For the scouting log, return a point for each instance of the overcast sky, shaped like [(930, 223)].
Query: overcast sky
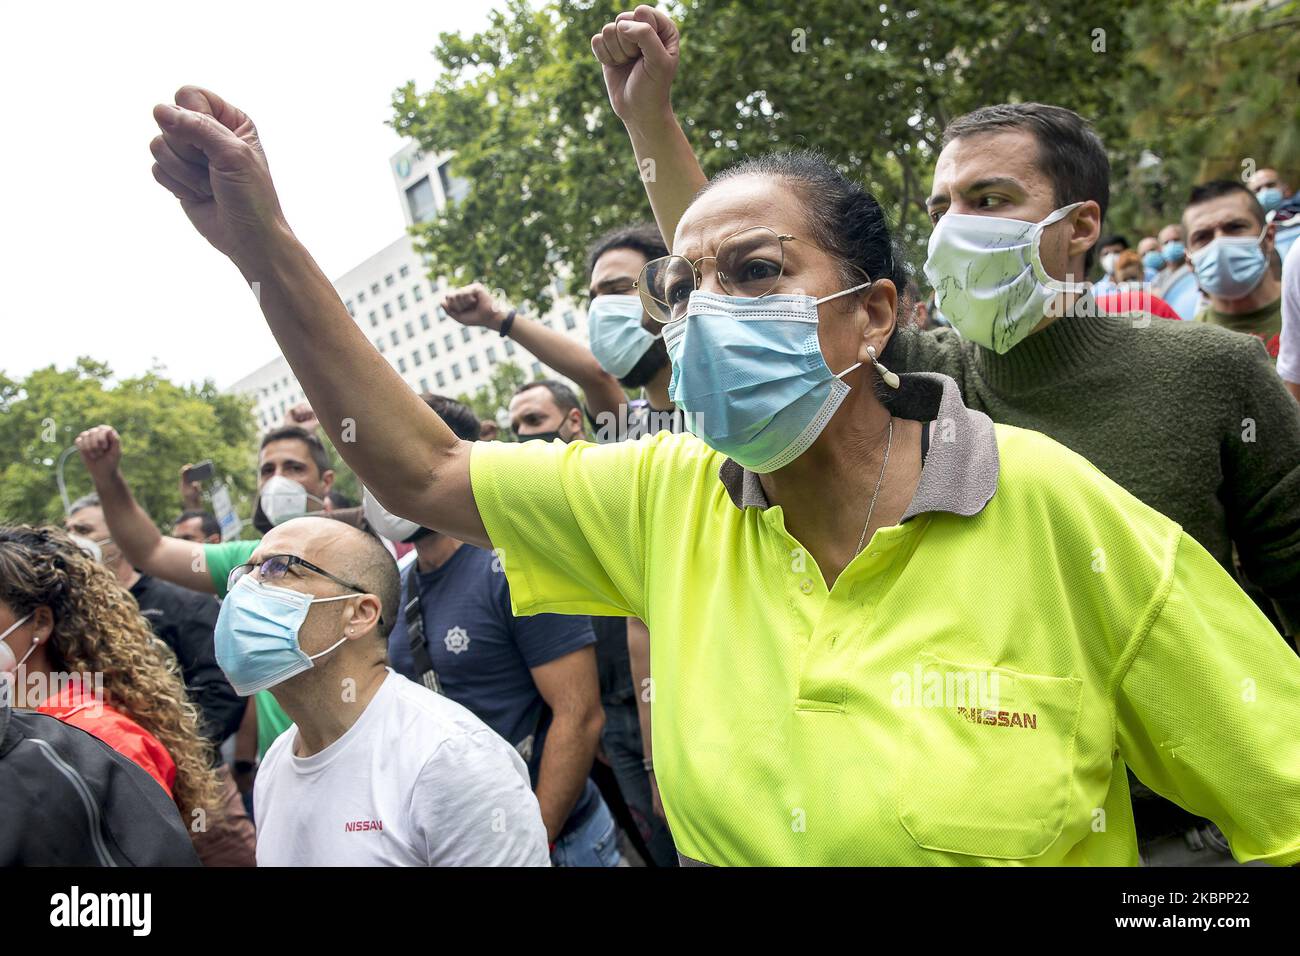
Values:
[(97, 258)]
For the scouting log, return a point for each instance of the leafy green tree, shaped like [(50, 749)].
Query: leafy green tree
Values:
[(1200, 85), (524, 109), (163, 425)]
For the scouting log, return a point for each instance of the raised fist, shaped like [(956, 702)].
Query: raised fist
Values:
[(473, 305), (101, 451), (638, 53), (209, 157), (301, 416)]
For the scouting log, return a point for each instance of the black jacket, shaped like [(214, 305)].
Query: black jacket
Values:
[(68, 799), (185, 620)]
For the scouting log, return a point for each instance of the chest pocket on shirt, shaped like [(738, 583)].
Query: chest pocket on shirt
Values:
[(989, 781)]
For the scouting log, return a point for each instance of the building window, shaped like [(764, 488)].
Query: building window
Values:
[(448, 341), (420, 201), (424, 384), (374, 319), (492, 355), (410, 330), (424, 321), (510, 347), (393, 335), (570, 322), (473, 363), (433, 350), (388, 279), (416, 291), (401, 365), (433, 285), (442, 380), (361, 296), (379, 344), (417, 358), (374, 288), (388, 310), (404, 271), (455, 371), (537, 368), (351, 311), (483, 330), (464, 333), (442, 314)]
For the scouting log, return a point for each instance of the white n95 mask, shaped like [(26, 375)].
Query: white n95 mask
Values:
[(988, 276)]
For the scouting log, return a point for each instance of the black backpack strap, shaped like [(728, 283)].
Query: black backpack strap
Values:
[(414, 616)]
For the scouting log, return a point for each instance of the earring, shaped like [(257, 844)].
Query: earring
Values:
[(889, 378)]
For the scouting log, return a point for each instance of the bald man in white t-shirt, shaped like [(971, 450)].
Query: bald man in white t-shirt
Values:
[(377, 770)]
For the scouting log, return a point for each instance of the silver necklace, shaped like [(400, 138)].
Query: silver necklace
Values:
[(889, 442)]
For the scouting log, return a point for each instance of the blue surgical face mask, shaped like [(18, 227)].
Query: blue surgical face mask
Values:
[(751, 377), (1153, 260), (257, 634), (1270, 197), (614, 329), (1231, 267), (1174, 251)]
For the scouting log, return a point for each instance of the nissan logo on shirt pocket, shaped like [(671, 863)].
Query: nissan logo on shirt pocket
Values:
[(975, 784)]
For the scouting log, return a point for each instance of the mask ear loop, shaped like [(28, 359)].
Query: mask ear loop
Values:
[(339, 643)]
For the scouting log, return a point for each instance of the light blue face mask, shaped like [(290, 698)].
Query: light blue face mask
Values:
[(750, 375), (1270, 197), (1231, 267), (1174, 251), (1153, 260), (257, 634), (614, 329)]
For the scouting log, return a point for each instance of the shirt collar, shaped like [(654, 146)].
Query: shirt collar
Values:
[(961, 468)]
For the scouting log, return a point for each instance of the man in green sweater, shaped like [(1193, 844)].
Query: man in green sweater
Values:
[(1230, 245), (1190, 418)]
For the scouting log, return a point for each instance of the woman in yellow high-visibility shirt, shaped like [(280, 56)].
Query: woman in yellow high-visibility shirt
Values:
[(885, 630)]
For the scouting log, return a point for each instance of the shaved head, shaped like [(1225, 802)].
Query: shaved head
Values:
[(346, 552)]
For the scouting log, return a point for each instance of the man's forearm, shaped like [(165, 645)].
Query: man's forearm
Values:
[(571, 743), (669, 170), (389, 437), (131, 529), (638, 652), (572, 360)]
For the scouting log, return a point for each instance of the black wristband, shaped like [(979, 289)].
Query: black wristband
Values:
[(508, 321)]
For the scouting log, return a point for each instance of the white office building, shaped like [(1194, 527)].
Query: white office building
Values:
[(393, 300)]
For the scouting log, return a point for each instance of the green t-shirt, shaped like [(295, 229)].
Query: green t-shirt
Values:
[(221, 559), (1265, 324)]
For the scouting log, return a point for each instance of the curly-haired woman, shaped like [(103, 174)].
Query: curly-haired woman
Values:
[(80, 650)]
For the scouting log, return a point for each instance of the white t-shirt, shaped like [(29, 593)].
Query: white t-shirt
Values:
[(1288, 357), (418, 780)]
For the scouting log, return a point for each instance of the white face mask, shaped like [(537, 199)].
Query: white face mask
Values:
[(8, 663), (1108, 263), (283, 499), (989, 279), (386, 524)]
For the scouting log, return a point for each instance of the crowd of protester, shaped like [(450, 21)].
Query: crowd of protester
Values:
[(705, 625)]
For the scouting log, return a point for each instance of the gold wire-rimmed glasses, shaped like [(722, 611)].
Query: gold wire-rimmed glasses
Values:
[(749, 264)]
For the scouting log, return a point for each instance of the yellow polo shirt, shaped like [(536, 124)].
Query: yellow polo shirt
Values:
[(971, 689)]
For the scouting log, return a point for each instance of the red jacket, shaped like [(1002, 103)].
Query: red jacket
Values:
[(1133, 303), (80, 707)]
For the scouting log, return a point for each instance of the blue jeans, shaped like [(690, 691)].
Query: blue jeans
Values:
[(593, 843), (621, 739)]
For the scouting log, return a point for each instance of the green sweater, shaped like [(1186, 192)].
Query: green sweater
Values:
[(1190, 418)]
